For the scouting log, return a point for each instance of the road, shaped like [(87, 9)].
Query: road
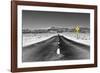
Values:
[(47, 50)]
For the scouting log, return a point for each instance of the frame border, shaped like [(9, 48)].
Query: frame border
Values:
[(46, 4)]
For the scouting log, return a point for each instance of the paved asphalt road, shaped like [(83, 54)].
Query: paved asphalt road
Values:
[(47, 50)]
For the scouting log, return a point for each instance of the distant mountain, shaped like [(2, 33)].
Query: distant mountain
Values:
[(56, 30)]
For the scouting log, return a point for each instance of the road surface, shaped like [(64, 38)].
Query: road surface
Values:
[(47, 50)]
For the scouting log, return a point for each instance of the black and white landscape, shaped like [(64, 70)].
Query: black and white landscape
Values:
[(51, 36)]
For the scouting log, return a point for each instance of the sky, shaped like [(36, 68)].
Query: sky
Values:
[(44, 19)]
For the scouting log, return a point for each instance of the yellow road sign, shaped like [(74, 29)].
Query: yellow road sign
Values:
[(77, 28)]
